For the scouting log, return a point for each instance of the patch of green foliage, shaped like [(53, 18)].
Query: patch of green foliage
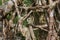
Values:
[(40, 34), (15, 19), (8, 16), (25, 23), (20, 35), (28, 2), (0, 2)]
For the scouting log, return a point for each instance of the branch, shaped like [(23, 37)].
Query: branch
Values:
[(41, 27), (32, 33), (25, 16), (7, 7), (17, 10)]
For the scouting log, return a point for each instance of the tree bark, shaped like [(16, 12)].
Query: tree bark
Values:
[(52, 35)]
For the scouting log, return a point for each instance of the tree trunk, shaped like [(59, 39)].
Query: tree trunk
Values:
[(52, 35)]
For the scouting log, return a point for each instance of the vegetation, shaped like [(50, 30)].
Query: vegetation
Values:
[(30, 19)]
